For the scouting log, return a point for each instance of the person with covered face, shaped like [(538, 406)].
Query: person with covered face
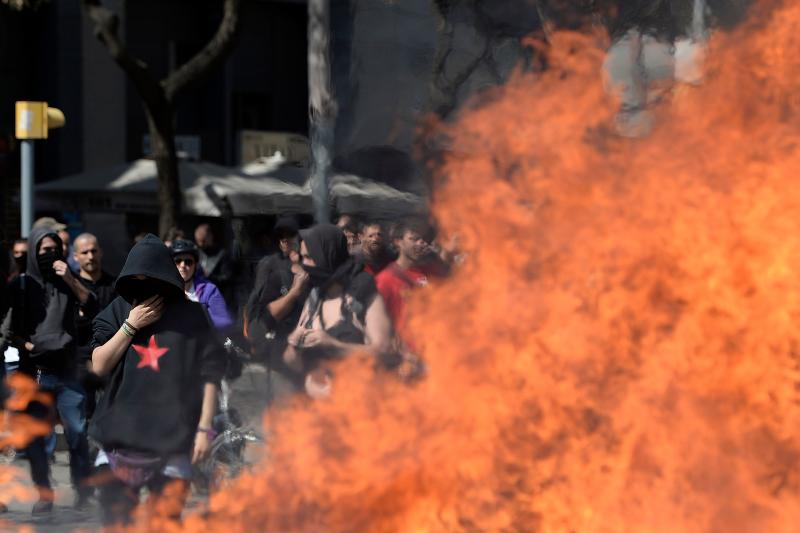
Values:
[(44, 306), (164, 362), (19, 259), (343, 312), (274, 306), (197, 288)]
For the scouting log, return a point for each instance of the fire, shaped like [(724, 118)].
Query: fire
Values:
[(620, 352), (18, 429)]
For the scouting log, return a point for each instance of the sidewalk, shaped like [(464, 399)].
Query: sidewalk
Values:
[(249, 397)]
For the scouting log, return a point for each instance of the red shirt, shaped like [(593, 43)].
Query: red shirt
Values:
[(394, 283)]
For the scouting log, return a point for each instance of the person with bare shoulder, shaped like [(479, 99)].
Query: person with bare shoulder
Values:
[(343, 313)]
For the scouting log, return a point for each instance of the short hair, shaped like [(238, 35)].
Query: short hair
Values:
[(415, 224), (206, 226), (352, 227), (368, 224), (86, 235), (21, 240)]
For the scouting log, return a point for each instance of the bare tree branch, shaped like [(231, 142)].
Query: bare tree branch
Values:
[(214, 53), (159, 97), (106, 24)]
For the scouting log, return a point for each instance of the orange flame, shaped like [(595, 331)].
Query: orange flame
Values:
[(18, 429), (620, 352)]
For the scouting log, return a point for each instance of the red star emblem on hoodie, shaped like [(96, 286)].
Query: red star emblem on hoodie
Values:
[(150, 354)]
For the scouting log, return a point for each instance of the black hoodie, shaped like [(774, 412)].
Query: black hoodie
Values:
[(44, 310), (153, 399)]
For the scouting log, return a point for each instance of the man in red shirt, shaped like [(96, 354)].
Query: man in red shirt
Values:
[(411, 270)]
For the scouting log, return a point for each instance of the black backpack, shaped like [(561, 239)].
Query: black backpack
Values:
[(260, 328)]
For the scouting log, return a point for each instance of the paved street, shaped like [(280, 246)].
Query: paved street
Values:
[(249, 397)]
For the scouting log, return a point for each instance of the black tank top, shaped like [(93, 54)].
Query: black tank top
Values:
[(355, 300)]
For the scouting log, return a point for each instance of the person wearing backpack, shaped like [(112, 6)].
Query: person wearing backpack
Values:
[(343, 313), (274, 306)]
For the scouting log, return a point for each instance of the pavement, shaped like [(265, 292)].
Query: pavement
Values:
[(249, 397)]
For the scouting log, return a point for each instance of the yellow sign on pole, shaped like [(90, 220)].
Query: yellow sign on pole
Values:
[(34, 119)]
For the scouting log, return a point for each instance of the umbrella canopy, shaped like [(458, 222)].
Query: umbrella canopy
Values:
[(247, 195), (348, 193), (265, 186), (373, 199), (276, 167), (209, 190), (138, 176)]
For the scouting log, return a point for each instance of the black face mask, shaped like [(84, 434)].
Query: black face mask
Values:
[(317, 276), (148, 288), (22, 262), (45, 262)]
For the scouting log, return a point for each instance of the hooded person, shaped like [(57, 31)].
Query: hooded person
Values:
[(164, 364), (343, 312), (44, 305)]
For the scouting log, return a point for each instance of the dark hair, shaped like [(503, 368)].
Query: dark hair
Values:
[(285, 227), (415, 224), (174, 233), (352, 227), (21, 241)]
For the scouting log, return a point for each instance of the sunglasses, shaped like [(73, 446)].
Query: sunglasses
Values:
[(187, 262)]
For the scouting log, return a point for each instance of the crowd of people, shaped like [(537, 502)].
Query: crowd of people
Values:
[(133, 362)]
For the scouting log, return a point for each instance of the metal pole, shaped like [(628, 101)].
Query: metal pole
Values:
[(26, 187)]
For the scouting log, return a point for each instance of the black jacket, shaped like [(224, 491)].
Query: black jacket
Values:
[(43, 312), (104, 293), (153, 399)]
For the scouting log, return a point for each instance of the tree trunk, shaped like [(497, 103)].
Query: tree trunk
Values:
[(162, 149), (159, 97), (322, 106)]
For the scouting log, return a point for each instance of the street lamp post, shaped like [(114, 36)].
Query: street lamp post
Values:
[(34, 120), (26, 186)]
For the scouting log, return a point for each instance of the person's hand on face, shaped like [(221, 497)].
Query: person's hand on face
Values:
[(300, 280), (146, 313)]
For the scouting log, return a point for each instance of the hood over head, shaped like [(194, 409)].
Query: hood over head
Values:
[(35, 239), (327, 246), (152, 259)]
